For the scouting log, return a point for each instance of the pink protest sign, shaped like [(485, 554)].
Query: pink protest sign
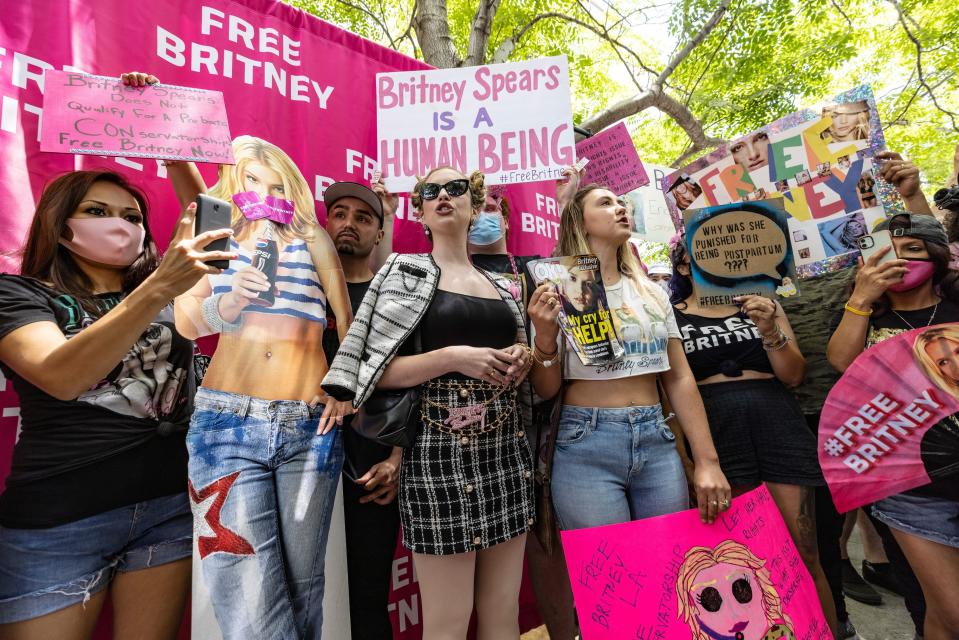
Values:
[(890, 424), (672, 577), (99, 115), (613, 160)]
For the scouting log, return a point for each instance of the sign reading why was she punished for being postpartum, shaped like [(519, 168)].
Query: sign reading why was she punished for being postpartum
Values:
[(99, 115), (740, 249), (511, 121)]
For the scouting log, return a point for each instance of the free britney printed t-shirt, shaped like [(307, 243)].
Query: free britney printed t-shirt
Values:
[(644, 322)]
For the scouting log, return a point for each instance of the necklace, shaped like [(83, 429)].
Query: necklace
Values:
[(928, 324)]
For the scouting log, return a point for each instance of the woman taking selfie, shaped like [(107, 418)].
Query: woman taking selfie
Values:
[(96, 498)]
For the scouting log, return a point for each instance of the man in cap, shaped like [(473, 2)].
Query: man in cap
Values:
[(355, 220)]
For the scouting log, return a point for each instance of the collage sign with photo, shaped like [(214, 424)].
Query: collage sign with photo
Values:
[(820, 160)]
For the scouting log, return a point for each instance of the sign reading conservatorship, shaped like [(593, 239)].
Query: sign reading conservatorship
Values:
[(99, 115), (511, 121)]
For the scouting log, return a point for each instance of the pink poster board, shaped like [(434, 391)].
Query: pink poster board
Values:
[(674, 577), (888, 425), (613, 160), (99, 115)]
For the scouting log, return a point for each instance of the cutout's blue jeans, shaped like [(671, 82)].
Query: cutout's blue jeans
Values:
[(262, 485)]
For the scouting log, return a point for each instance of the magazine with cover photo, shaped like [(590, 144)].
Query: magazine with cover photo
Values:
[(585, 318)]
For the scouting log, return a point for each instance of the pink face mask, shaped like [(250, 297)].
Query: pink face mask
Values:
[(918, 271), (112, 241)]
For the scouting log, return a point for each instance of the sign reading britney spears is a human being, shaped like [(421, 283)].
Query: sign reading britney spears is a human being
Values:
[(740, 578), (99, 115), (511, 121)]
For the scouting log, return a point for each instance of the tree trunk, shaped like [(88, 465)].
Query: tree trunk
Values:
[(431, 24)]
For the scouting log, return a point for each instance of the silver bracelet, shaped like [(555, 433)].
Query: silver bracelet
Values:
[(211, 315)]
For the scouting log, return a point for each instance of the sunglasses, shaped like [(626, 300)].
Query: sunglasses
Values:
[(454, 188)]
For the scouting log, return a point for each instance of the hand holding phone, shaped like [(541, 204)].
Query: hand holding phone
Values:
[(873, 243), (213, 213)]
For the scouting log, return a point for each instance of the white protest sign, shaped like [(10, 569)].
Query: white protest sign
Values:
[(511, 121)]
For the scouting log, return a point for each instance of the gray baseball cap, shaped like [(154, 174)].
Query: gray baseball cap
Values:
[(345, 189), (923, 227)]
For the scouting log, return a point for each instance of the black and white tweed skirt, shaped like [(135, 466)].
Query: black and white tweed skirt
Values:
[(465, 491)]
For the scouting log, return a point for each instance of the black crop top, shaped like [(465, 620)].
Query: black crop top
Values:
[(727, 345), (460, 319)]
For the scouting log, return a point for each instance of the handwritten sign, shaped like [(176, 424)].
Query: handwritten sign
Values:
[(819, 160), (740, 249), (511, 121), (647, 205), (99, 115), (890, 424), (674, 577), (613, 161)]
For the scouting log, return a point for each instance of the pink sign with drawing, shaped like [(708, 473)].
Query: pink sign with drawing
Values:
[(673, 577), (99, 115)]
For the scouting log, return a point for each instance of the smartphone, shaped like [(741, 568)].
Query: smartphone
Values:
[(213, 213), (870, 244)]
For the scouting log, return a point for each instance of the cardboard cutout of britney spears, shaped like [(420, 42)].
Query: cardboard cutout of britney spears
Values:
[(265, 456)]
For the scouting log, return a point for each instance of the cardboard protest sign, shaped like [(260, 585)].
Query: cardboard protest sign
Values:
[(820, 160), (740, 249), (98, 115), (511, 121), (613, 161), (675, 577), (648, 210), (890, 423)]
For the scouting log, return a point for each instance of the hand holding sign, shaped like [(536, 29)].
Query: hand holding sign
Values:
[(739, 249), (133, 116)]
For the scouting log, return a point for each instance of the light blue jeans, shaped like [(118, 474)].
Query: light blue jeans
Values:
[(615, 465), (262, 485)]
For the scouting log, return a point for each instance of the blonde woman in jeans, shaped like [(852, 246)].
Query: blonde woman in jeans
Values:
[(615, 457)]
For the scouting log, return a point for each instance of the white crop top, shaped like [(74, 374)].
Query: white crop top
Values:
[(644, 322)]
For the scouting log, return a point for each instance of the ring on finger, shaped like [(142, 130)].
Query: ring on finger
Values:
[(724, 503)]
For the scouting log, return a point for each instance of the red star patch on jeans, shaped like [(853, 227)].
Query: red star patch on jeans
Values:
[(212, 535)]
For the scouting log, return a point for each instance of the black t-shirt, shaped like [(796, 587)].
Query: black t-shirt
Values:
[(890, 324), (500, 264), (728, 345), (360, 452), (104, 449)]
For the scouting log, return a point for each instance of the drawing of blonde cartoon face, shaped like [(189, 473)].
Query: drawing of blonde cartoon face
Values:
[(725, 593)]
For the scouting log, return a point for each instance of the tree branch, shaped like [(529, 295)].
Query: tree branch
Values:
[(479, 34), (379, 22), (431, 23), (695, 42), (904, 20)]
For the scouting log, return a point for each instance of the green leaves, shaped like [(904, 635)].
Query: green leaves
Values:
[(765, 59)]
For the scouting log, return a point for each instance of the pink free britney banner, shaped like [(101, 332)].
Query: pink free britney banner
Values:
[(739, 578), (293, 80)]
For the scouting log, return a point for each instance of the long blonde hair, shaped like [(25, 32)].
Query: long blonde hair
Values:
[(730, 552), (247, 149), (574, 241), (928, 364)]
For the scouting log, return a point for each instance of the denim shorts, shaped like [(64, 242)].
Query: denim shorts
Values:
[(928, 517), (45, 570)]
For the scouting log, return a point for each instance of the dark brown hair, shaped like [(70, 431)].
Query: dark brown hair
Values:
[(44, 258)]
